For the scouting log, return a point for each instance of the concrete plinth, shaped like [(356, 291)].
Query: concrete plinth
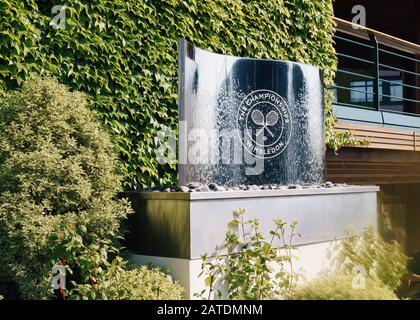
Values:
[(174, 230)]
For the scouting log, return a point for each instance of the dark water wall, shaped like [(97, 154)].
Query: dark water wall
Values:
[(249, 121)]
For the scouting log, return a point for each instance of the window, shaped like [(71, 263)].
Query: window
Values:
[(395, 90), (362, 91)]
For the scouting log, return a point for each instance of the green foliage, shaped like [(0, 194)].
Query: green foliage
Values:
[(117, 283), (340, 287), (58, 182), (254, 268), (336, 140), (381, 261), (123, 55)]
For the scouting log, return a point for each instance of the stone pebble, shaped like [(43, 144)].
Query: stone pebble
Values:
[(214, 187)]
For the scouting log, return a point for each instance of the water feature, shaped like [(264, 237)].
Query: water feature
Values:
[(249, 121), (252, 130)]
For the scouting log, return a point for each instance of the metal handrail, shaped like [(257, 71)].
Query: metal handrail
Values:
[(354, 58), (358, 106), (399, 69), (356, 74), (359, 31), (398, 55), (377, 40), (352, 89), (401, 84), (354, 42), (399, 98)]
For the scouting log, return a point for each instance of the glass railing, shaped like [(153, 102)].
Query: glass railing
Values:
[(376, 71)]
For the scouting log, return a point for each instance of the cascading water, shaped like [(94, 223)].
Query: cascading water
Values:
[(249, 121)]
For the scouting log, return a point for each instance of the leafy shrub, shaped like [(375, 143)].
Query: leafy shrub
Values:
[(58, 182), (254, 268), (340, 287), (381, 261), (135, 284), (123, 55)]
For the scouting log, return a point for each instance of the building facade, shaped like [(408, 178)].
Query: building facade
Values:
[(377, 98)]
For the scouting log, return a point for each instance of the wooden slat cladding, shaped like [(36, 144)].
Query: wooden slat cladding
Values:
[(373, 166), (383, 138)]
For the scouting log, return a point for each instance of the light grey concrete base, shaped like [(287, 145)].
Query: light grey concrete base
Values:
[(312, 259), (184, 271), (188, 225), (173, 230)]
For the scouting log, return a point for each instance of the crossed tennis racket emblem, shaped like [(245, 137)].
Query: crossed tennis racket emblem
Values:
[(265, 122)]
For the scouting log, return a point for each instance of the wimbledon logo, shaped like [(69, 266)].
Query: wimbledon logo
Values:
[(264, 123)]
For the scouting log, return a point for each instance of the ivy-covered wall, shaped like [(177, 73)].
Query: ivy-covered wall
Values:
[(123, 55)]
